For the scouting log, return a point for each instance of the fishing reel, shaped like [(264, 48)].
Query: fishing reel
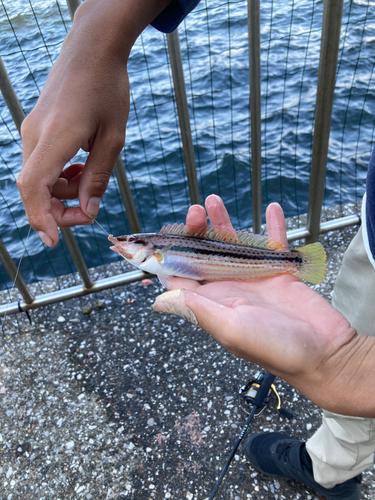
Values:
[(256, 392), (259, 390)]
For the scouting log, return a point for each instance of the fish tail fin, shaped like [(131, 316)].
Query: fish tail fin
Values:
[(313, 268)]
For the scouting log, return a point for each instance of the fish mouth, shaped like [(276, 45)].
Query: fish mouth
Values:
[(119, 248), (127, 256), (122, 252)]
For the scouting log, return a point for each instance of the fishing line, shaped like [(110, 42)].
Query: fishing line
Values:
[(17, 273), (19, 266), (102, 227)]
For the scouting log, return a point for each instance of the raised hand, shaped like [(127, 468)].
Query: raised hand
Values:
[(84, 104), (279, 323)]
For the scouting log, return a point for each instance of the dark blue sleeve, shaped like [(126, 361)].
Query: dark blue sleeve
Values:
[(168, 20), (370, 204)]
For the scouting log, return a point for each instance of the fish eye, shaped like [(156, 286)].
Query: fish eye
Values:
[(131, 239)]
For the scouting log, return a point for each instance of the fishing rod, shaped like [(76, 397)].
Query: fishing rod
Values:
[(256, 392)]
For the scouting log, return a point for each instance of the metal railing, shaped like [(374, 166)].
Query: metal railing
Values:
[(329, 50), (323, 112)]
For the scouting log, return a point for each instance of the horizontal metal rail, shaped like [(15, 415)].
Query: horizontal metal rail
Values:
[(73, 292), (325, 227), (126, 278)]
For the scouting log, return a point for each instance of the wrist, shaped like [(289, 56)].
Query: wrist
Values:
[(116, 23), (343, 383)]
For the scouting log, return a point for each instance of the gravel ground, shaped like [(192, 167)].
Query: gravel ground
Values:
[(102, 398)]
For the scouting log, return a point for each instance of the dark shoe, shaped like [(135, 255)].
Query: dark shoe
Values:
[(283, 457)]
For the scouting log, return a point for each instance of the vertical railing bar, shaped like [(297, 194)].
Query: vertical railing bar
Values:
[(10, 97), (73, 6), (329, 50), (253, 9), (119, 169), (16, 110), (14, 273), (126, 195), (174, 50), (77, 256), (18, 115)]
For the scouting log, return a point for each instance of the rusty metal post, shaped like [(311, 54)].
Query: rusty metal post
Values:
[(329, 50), (183, 115)]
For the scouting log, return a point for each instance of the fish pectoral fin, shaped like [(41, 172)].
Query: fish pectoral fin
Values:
[(159, 254), (165, 280)]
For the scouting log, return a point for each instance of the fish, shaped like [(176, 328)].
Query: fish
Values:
[(215, 254)]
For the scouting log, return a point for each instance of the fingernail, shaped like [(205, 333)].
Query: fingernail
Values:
[(93, 207), (47, 240), (194, 206), (173, 302), (214, 199)]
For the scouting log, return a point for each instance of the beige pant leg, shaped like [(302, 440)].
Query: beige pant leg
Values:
[(344, 446)]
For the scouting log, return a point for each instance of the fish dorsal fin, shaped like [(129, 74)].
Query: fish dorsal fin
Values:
[(219, 234)]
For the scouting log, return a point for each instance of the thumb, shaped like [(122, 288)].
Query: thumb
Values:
[(97, 172), (213, 317)]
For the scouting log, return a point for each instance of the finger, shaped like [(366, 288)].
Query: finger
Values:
[(276, 225), (185, 283), (97, 172), (67, 185), (209, 314), (217, 212), (68, 216), (196, 216), (72, 170), (39, 173), (215, 318)]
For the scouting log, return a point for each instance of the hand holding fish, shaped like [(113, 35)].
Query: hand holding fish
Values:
[(278, 322), (281, 324)]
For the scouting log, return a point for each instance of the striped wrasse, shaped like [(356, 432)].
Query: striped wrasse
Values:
[(212, 254)]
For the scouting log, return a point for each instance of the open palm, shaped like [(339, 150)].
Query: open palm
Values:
[(279, 323)]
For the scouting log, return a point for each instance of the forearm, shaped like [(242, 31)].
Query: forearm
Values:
[(117, 23), (97, 47), (345, 381)]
